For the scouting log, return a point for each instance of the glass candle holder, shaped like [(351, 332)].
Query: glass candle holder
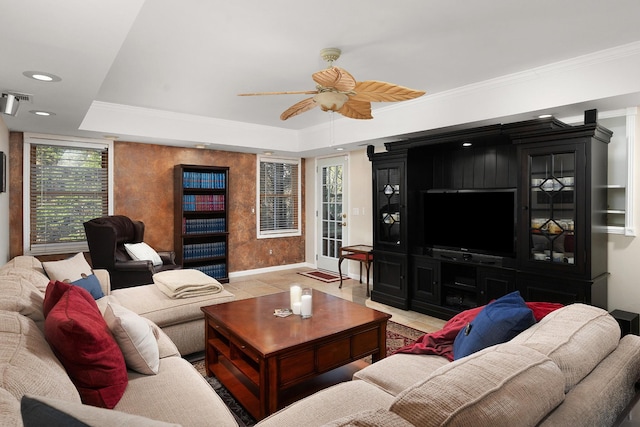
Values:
[(295, 293), (306, 303)]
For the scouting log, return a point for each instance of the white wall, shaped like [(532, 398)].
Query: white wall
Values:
[(4, 198), (624, 255)]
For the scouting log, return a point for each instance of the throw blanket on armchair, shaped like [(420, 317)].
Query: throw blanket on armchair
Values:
[(186, 283), (440, 342)]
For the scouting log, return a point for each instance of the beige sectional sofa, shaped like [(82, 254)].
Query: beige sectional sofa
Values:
[(570, 369), (177, 394)]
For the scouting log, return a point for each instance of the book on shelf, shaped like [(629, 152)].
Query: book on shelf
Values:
[(209, 180)]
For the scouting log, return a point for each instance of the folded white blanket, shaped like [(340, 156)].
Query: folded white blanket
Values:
[(186, 283)]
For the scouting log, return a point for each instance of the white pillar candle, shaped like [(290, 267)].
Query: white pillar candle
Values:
[(296, 307), (295, 292), (305, 306)]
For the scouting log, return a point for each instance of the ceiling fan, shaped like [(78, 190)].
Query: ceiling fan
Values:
[(337, 90)]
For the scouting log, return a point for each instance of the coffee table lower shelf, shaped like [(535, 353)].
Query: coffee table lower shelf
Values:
[(245, 392)]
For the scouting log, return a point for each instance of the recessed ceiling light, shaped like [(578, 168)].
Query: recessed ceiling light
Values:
[(42, 76), (267, 153), (545, 116), (467, 144), (42, 113), (339, 149)]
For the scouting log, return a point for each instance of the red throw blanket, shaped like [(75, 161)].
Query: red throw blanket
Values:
[(440, 342)]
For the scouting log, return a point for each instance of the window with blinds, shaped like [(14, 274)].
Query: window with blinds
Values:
[(278, 198), (68, 184)]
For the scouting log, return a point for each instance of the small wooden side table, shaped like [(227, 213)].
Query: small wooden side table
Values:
[(360, 253)]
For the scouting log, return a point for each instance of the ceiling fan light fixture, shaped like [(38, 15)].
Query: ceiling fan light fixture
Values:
[(330, 101)]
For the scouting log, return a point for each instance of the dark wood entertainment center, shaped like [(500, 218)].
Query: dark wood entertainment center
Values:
[(557, 174)]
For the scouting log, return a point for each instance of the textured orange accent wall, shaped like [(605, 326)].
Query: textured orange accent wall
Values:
[(143, 190)]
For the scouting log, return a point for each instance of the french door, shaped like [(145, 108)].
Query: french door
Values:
[(331, 214)]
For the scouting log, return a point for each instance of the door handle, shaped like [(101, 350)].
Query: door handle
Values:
[(344, 224)]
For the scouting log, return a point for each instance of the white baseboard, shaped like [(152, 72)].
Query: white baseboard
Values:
[(270, 269)]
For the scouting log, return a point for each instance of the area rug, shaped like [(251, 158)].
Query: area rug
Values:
[(323, 276), (397, 336)]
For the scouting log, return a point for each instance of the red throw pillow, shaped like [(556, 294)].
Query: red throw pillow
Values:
[(81, 340), (52, 295)]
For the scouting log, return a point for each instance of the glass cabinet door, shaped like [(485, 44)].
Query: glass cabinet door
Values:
[(552, 207), (389, 194)]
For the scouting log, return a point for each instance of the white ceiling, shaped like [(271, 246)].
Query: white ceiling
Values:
[(165, 71)]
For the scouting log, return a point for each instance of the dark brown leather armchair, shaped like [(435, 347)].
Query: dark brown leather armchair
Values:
[(106, 237)]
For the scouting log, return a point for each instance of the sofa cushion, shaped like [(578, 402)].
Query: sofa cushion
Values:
[(39, 280), (81, 339), (152, 303), (497, 322), (27, 363), (136, 338), (373, 418), (576, 337), (178, 394), (19, 295), (9, 409), (70, 269), (26, 262), (399, 371), (492, 387), (91, 284), (330, 404), (39, 411)]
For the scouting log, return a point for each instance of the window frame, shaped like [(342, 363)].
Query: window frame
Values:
[(64, 141), (292, 232)]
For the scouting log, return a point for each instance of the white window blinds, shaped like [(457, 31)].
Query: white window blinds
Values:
[(68, 185), (279, 198)]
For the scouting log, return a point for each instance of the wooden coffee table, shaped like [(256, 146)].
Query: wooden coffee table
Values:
[(266, 361)]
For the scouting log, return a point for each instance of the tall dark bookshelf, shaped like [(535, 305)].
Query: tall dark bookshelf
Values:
[(201, 220)]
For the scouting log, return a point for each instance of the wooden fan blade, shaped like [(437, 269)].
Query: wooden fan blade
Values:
[(298, 108), (356, 109), (375, 91), (335, 77), (299, 92)]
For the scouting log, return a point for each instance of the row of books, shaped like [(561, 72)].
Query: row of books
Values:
[(204, 250), (203, 225), (215, 180), (217, 271), (203, 202)]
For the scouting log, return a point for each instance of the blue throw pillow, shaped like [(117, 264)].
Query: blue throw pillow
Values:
[(91, 284), (498, 322)]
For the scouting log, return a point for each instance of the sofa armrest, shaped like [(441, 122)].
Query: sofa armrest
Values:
[(142, 265), (168, 257), (104, 279)]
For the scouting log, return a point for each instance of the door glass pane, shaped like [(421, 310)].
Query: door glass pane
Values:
[(331, 210)]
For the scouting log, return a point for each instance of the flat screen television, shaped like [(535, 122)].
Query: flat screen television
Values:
[(476, 221)]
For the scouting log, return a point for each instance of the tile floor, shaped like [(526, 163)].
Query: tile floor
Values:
[(352, 290)]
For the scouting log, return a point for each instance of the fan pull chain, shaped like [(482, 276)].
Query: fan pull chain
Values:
[(332, 136)]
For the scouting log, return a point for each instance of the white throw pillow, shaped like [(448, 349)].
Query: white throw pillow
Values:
[(135, 337), (143, 252), (70, 269)]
